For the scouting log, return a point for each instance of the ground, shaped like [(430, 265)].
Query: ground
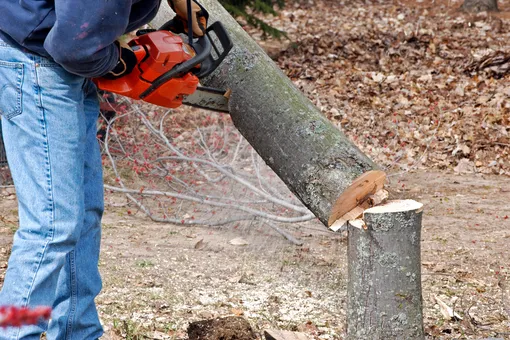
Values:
[(396, 78), (159, 277)]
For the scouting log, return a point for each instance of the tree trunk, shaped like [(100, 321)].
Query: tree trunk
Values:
[(475, 6), (314, 159), (384, 299)]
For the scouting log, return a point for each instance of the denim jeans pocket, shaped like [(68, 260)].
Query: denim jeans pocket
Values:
[(11, 82)]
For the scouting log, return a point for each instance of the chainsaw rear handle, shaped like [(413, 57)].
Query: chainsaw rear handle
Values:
[(203, 58)]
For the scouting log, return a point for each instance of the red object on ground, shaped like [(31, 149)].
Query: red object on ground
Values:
[(18, 316)]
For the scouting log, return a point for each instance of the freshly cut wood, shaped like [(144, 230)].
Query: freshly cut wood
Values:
[(362, 197), (357, 194), (273, 334), (313, 157), (384, 298)]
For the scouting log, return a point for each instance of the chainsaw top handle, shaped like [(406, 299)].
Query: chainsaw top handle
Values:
[(204, 58)]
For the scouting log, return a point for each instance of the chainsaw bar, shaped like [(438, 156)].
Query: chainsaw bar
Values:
[(209, 99)]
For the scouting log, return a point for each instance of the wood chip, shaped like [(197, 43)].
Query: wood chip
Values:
[(272, 334)]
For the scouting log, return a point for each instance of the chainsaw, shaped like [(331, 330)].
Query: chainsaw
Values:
[(169, 69)]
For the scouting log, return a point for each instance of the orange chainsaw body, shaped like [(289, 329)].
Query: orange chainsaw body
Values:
[(157, 53)]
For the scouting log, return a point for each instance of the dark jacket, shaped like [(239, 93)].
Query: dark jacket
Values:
[(77, 34)]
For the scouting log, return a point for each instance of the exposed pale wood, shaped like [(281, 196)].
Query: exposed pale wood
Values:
[(396, 206), (447, 311), (341, 223), (273, 334), (357, 193), (378, 198), (358, 223), (372, 200)]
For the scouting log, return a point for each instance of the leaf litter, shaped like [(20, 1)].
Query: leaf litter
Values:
[(415, 84)]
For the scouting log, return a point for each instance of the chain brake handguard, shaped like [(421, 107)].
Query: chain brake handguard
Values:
[(204, 62)]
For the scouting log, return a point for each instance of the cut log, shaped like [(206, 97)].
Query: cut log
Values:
[(273, 334), (384, 299), (313, 157)]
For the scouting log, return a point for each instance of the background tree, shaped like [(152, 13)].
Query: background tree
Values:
[(248, 9), (475, 6)]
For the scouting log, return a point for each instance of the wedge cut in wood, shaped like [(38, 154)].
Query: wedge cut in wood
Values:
[(365, 192)]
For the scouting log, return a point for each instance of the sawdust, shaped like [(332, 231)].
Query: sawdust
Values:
[(156, 281)]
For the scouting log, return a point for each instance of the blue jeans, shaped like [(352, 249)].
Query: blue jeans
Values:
[(49, 119)]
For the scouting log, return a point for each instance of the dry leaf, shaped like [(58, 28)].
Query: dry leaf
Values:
[(238, 241), (200, 244), (237, 312)]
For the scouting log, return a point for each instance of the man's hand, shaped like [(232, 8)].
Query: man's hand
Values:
[(126, 64), (199, 16)]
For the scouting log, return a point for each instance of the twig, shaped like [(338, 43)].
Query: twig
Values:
[(241, 181), (505, 300), (254, 212), (286, 235), (216, 183)]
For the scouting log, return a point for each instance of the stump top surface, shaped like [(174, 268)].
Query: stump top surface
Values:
[(395, 206)]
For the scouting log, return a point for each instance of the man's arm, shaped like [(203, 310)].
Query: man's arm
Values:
[(83, 37)]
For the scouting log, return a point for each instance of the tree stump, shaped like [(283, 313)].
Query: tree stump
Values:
[(384, 290)]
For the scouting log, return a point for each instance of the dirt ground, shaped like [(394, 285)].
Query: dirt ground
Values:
[(158, 278)]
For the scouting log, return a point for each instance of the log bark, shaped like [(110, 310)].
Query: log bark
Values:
[(384, 298), (312, 156)]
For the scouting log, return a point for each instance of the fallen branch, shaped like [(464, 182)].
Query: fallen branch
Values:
[(218, 186)]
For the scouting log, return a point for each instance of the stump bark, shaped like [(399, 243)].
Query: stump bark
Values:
[(314, 158), (384, 298)]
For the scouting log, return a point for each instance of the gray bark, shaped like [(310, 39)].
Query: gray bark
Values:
[(384, 299), (476, 6), (314, 159)]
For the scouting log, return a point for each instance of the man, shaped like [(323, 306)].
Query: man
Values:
[(49, 50)]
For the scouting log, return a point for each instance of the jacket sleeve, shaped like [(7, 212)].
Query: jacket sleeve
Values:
[(82, 39)]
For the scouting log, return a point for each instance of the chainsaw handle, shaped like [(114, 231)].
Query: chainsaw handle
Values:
[(181, 69), (139, 52), (221, 51), (208, 63)]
